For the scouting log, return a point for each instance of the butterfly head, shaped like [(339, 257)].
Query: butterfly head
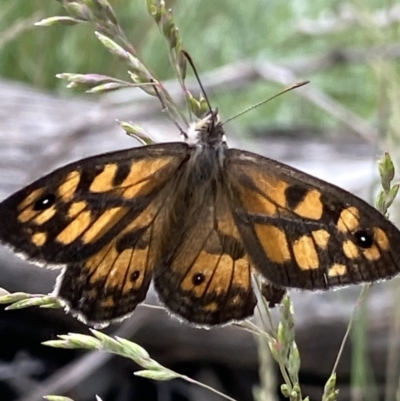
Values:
[(207, 131)]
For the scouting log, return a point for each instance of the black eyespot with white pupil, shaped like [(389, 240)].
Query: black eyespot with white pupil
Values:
[(198, 278), (134, 275), (363, 239), (44, 202)]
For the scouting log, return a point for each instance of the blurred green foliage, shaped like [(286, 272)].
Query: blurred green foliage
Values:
[(218, 33)]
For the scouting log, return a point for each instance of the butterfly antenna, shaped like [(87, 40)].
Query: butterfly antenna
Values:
[(189, 59), (295, 86)]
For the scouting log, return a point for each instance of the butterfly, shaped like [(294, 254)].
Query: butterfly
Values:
[(197, 219)]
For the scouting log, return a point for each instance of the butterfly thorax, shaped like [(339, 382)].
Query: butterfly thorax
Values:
[(197, 184), (209, 131)]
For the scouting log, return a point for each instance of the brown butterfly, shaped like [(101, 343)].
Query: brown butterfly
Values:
[(197, 219)]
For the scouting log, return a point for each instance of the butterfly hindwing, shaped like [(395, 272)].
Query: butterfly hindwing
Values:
[(111, 283), (303, 232), (99, 218), (204, 274)]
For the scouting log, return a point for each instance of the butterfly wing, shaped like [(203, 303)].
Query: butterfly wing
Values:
[(204, 274), (302, 232), (99, 218)]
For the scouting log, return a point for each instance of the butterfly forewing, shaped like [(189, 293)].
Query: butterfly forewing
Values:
[(73, 212), (100, 218), (303, 232)]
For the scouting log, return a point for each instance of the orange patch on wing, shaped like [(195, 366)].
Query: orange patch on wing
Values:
[(75, 228), (255, 203), (381, 238), (337, 269), (76, 208), (311, 206), (321, 238), (350, 249), (26, 215), (67, 189), (271, 186), (349, 220), (104, 223), (274, 189), (305, 253), (138, 178), (39, 239), (103, 182), (242, 274), (372, 253), (274, 242)]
